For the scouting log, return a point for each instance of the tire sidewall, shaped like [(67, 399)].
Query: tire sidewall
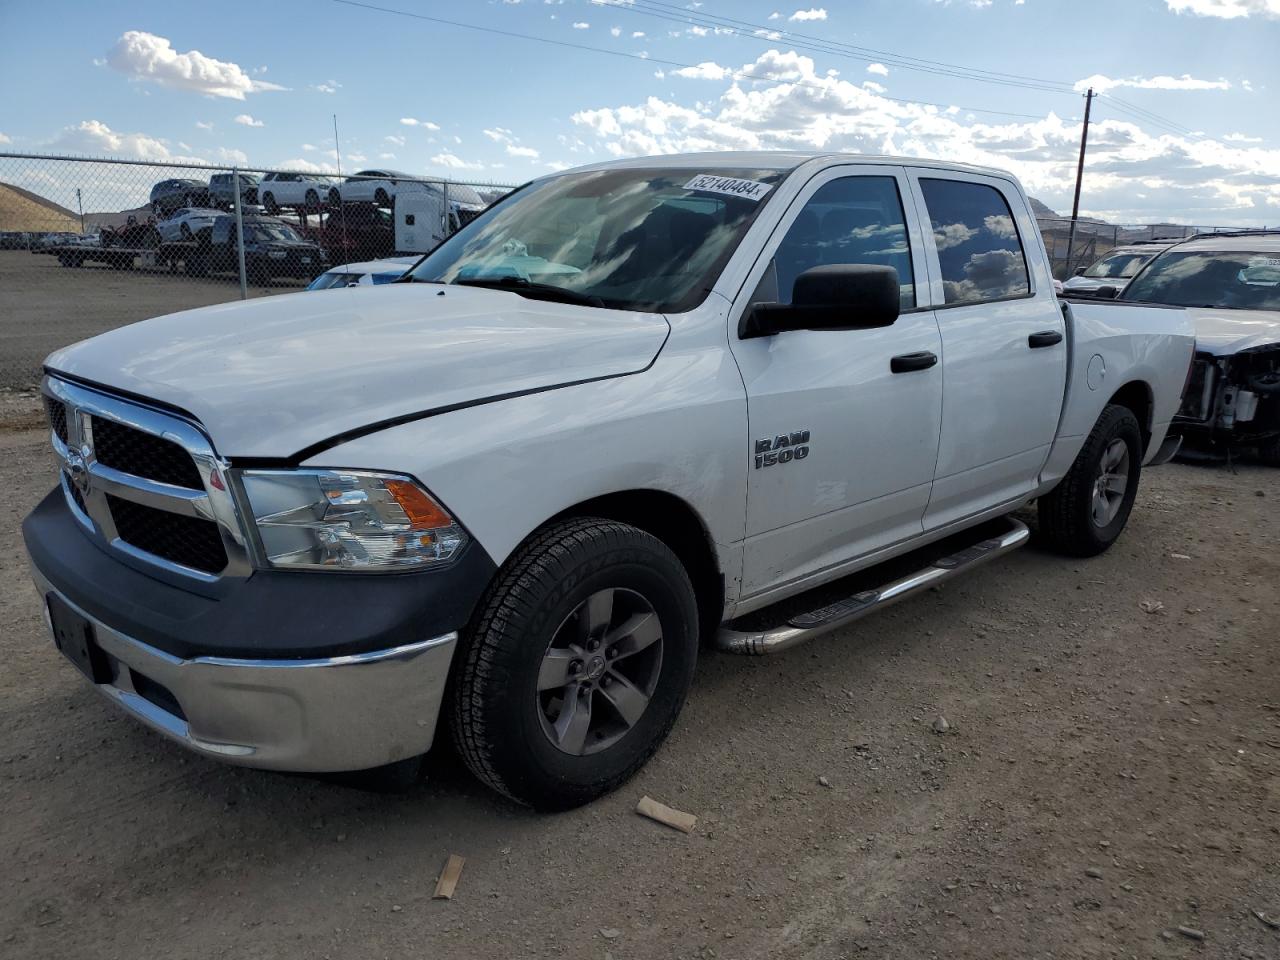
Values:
[(533, 768), (1124, 426)]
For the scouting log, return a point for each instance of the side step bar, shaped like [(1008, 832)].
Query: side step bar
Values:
[(814, 623)]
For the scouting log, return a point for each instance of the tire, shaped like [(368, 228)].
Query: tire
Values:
[(1072, 520), (381, 199), (1269, 452), (312, 200), (269, 203), (504, 726), (335, 198), (185, 230)]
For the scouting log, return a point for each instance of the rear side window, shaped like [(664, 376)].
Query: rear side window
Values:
[(979, 250)]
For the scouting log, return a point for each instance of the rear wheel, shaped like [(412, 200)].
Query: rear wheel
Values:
[(1088, 510), (578, 665), (312, 201), (269, 203), (381, 199), (335, 198)]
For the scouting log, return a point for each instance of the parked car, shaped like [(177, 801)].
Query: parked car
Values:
[(301, 190), (222, 194), (186, 223), (380, 187), (1230, 284), (1115, 269), (615, 414), (272, 249), (169, 195), (369, 273)]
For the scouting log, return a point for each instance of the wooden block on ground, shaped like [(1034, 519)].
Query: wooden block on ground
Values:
[(448, 878), (648, 807)]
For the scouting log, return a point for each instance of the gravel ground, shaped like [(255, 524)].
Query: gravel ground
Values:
[(44, 306), (1109, 775)]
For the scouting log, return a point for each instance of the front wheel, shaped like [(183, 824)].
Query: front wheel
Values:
[(578, 664), (269, 203), (1088, 510)]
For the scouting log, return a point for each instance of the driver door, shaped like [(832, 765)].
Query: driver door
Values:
[(843, 439)]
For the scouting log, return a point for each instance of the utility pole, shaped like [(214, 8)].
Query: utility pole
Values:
[(1075, 206), (80, 205)]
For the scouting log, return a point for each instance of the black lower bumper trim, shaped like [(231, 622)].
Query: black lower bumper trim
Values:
[(271, 614)]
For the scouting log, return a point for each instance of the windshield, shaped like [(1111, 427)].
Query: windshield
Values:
[(1219, 279), (650, 239), (267, 232), (1118, 265)]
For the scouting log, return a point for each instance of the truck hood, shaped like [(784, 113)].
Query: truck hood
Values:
[(274, 376), (1224, 332)]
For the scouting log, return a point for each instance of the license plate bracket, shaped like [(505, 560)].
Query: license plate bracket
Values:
[(73, 635)]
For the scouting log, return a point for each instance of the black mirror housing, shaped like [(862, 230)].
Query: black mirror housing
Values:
[(1079, 271), (1106, 293), (833, 297)]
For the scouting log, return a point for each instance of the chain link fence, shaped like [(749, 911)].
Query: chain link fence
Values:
[(1094, 240), (87, 245)]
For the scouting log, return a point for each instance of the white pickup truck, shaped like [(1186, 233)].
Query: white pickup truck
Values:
[(628, 409)]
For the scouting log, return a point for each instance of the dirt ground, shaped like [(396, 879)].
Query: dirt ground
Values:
[(1110, 775), (44, 306)]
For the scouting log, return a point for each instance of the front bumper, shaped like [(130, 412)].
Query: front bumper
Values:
[(316, 716), (308, 672)]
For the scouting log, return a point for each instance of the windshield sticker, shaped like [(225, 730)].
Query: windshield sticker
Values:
[(752, 190)]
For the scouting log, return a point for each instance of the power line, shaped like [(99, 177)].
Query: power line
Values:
[(736, 74), (758, 31)]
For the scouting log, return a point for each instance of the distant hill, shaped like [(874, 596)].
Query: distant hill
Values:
[(1042, 211), (24, 211)]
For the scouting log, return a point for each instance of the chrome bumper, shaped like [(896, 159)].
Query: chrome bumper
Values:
[(313, 716)]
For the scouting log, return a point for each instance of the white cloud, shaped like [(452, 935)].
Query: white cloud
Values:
[(879, 69), (1241, 138), (814, 13), (424, 124), (454, 162), (1102, 83), (581, 25), (498, 134), (247, 121), (309, 147), (392, 138), (299, 165), (204, 124), (527, 152), (145, 56), (1132, 175), (386, 156), (615, 31), (95, 137), (707, 70), (775, 15), (557, 165), (329, 86), (5, 139), (637, 34), (1226, 9), (873, 86)]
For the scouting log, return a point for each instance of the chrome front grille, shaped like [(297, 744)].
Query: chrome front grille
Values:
[(146, 481)]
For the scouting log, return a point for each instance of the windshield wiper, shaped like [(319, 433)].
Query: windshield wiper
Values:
[(535, 291)]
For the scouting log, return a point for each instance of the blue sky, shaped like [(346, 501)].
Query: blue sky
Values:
[(1189, 130)]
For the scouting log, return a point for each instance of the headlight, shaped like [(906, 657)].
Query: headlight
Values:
[(349, 520)]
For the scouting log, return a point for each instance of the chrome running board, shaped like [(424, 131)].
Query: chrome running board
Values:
[(814, 623)]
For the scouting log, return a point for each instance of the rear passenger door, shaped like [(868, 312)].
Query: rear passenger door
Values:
[(853, 470), (1003, 343)]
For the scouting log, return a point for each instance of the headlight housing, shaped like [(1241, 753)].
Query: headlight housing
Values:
[(349, 520)]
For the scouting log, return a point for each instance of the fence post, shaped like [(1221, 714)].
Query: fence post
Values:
[(448, 214), (235, 200)]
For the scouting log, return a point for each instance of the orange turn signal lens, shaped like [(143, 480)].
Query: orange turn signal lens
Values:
[(423, 512)]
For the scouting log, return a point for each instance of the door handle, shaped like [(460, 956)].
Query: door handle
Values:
[(1045, 338), (907, 362)]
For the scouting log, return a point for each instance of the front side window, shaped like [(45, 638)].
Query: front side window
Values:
[(1119, 266), (853, 220), (1224, 280), (979, 251), (650, 239)]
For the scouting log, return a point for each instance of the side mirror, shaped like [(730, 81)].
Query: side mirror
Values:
[(1106, 293), (842, 296), (1079, 271)]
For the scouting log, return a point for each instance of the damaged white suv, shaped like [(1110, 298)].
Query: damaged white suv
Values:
[(623, 409)]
